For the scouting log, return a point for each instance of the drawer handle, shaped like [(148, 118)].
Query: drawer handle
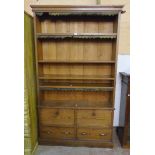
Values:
[(102, 134), (83, 133), (66, 133)]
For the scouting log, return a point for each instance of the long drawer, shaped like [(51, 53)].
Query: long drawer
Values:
[(48, 116), (57, 133), (94, 134), (91, 118)]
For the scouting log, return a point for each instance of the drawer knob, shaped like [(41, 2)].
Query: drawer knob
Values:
[(93, 114), (57, 113), (102, 134), (49, 132), (83, 133)]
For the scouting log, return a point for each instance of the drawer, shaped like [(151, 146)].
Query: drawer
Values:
[(94, 134), (48, 116), (98, 118), (57, 133)]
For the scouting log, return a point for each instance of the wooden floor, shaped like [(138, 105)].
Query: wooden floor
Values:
[(60, 150)]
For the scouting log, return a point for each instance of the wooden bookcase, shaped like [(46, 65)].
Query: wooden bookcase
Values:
[(76, 54)]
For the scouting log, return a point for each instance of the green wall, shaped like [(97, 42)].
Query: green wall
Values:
[(30, 117)]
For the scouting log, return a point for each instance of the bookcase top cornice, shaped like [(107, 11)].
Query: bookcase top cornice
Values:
[(76, 8)]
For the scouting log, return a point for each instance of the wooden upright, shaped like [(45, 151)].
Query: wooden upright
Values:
[(76, 56)]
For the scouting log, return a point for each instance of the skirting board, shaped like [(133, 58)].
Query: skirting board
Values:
[(76, 143)]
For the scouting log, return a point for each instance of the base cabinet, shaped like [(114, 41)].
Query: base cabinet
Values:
[(75, 125)]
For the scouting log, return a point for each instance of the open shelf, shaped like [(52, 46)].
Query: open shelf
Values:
[(98, 71), (76, 35), (76, 51), (76, 62), (75, 77), (76, 104)]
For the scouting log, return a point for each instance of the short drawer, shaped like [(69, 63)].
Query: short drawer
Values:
[(48, 116), (99, 118), (57, 133), (94, 134)]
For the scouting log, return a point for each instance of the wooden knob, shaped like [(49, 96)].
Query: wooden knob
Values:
[(49, 132), (93, 114), (83, 133), (57, 113)]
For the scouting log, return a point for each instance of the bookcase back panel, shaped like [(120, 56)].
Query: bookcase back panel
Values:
[(76, 69), (77, 50), (77, 96), (91, 24)]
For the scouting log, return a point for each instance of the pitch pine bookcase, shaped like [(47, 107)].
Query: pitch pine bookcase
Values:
[(76, 55)]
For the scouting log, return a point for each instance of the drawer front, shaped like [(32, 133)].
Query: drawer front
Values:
[(49, 116), (56, 133), (94, 134), (98, 118)]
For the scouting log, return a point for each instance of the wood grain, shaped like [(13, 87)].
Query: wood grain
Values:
[(91, 118), (94, 134), (56, 116)]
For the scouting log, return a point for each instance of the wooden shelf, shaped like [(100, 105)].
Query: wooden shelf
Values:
[(75, 104), (76, 35), (82, 87), (74, 77), (76, 62)]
